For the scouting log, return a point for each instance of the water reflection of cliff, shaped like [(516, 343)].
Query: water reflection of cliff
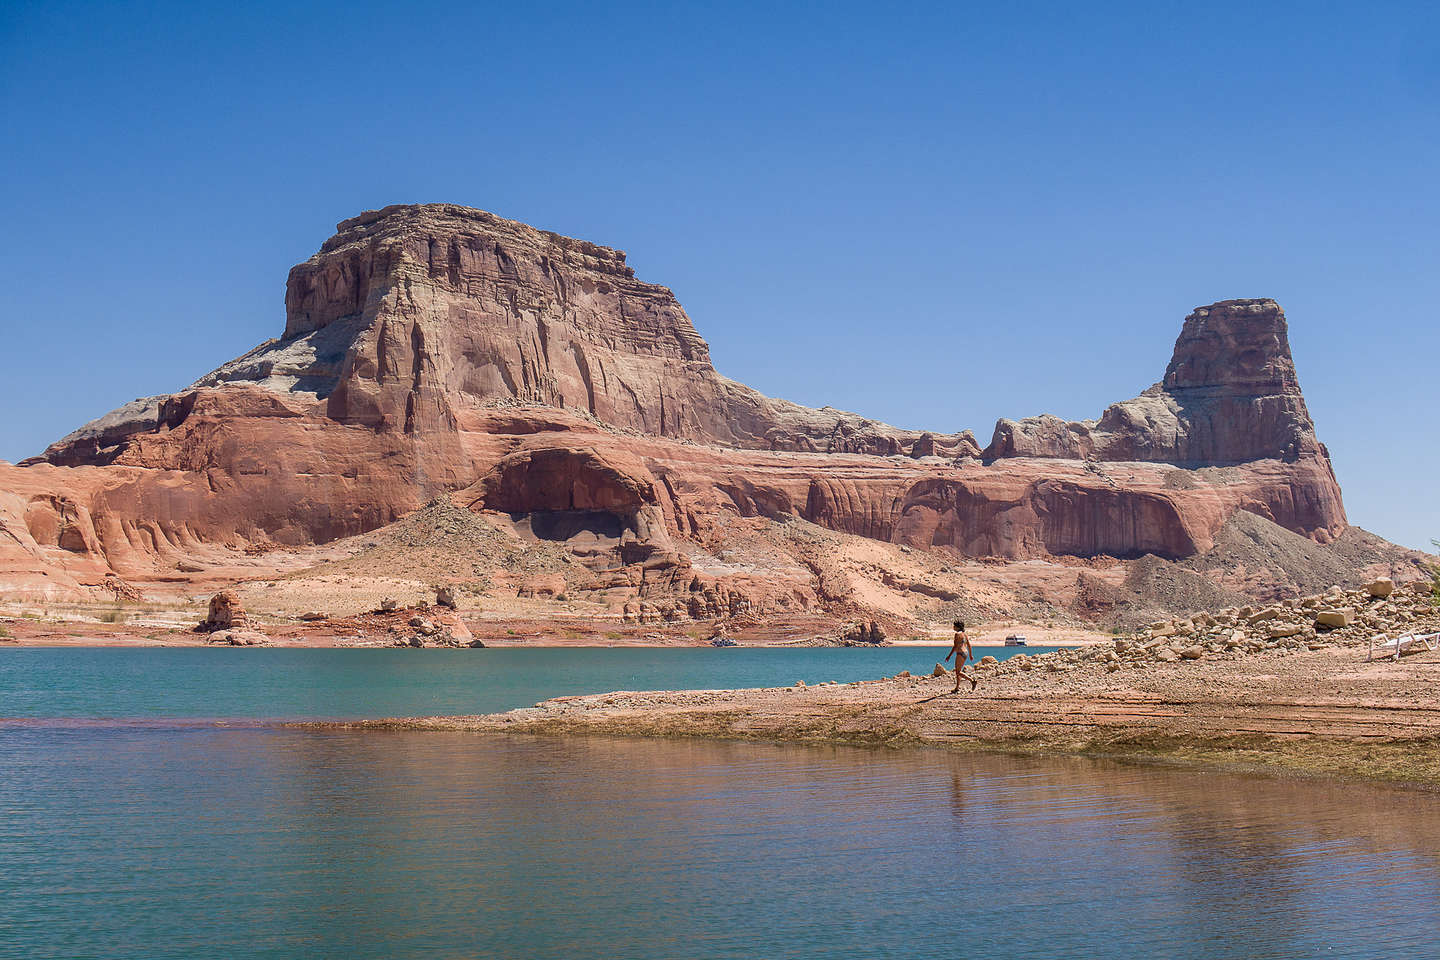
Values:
[(425, 844)]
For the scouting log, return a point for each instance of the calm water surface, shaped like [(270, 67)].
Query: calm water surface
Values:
[(173, 838), (57, 682)]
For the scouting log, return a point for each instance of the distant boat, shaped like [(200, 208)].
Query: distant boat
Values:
[(1015, 640)]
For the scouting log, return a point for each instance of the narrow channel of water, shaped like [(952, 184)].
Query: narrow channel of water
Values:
[(228, 683)]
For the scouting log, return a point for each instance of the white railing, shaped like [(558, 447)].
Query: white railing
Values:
[(1406, 643)]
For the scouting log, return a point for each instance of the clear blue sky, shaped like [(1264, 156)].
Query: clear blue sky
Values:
[(932, 214)]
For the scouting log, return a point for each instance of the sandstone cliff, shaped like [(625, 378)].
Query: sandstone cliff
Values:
[(1230, 395), (433, 350), (411, 316)]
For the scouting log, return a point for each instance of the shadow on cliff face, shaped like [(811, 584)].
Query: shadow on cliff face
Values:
[(601, 506), (585, 533)]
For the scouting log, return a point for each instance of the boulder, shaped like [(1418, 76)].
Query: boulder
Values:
[(445, 597), (453, 629), (224, 613), (1194, 652), (240, 638), (1335, 618), (863, 633), (1382, 587), (939, 670)]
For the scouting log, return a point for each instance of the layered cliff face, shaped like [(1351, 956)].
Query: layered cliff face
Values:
[(436, 349), (409, 316), (1230, 395)]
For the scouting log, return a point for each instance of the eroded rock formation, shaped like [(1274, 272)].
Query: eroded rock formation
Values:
[(437, 349), (1230, 395)]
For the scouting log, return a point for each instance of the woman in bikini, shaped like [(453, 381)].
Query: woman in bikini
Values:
[(960, 650)]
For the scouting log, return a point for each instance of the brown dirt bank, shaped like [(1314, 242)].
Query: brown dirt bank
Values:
[(1316, 713)]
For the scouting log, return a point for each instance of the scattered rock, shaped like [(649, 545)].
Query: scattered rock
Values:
[(240, 638), (122, 590), (1341, 617), (1382, 588)]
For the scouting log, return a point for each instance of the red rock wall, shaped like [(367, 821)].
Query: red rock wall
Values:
[(432, 349)]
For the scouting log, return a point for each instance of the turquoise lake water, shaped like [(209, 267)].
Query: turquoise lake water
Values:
[(158, 834), (286, 684)]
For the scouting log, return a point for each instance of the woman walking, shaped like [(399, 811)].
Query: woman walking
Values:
[(960, 650)]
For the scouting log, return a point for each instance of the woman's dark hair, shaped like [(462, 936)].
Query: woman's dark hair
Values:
[(960, 625)]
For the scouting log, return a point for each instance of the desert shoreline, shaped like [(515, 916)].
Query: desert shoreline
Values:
[(379, 631), (1325, 713)]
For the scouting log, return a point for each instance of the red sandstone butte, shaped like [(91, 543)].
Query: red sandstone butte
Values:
[(439, 349)]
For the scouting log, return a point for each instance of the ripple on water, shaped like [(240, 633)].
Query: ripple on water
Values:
[(186, 840)]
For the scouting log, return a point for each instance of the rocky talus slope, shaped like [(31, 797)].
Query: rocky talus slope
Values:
[(1366, 618), (440, 351)]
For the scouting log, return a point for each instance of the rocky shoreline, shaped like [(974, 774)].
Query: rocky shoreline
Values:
[(1259, 696)]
